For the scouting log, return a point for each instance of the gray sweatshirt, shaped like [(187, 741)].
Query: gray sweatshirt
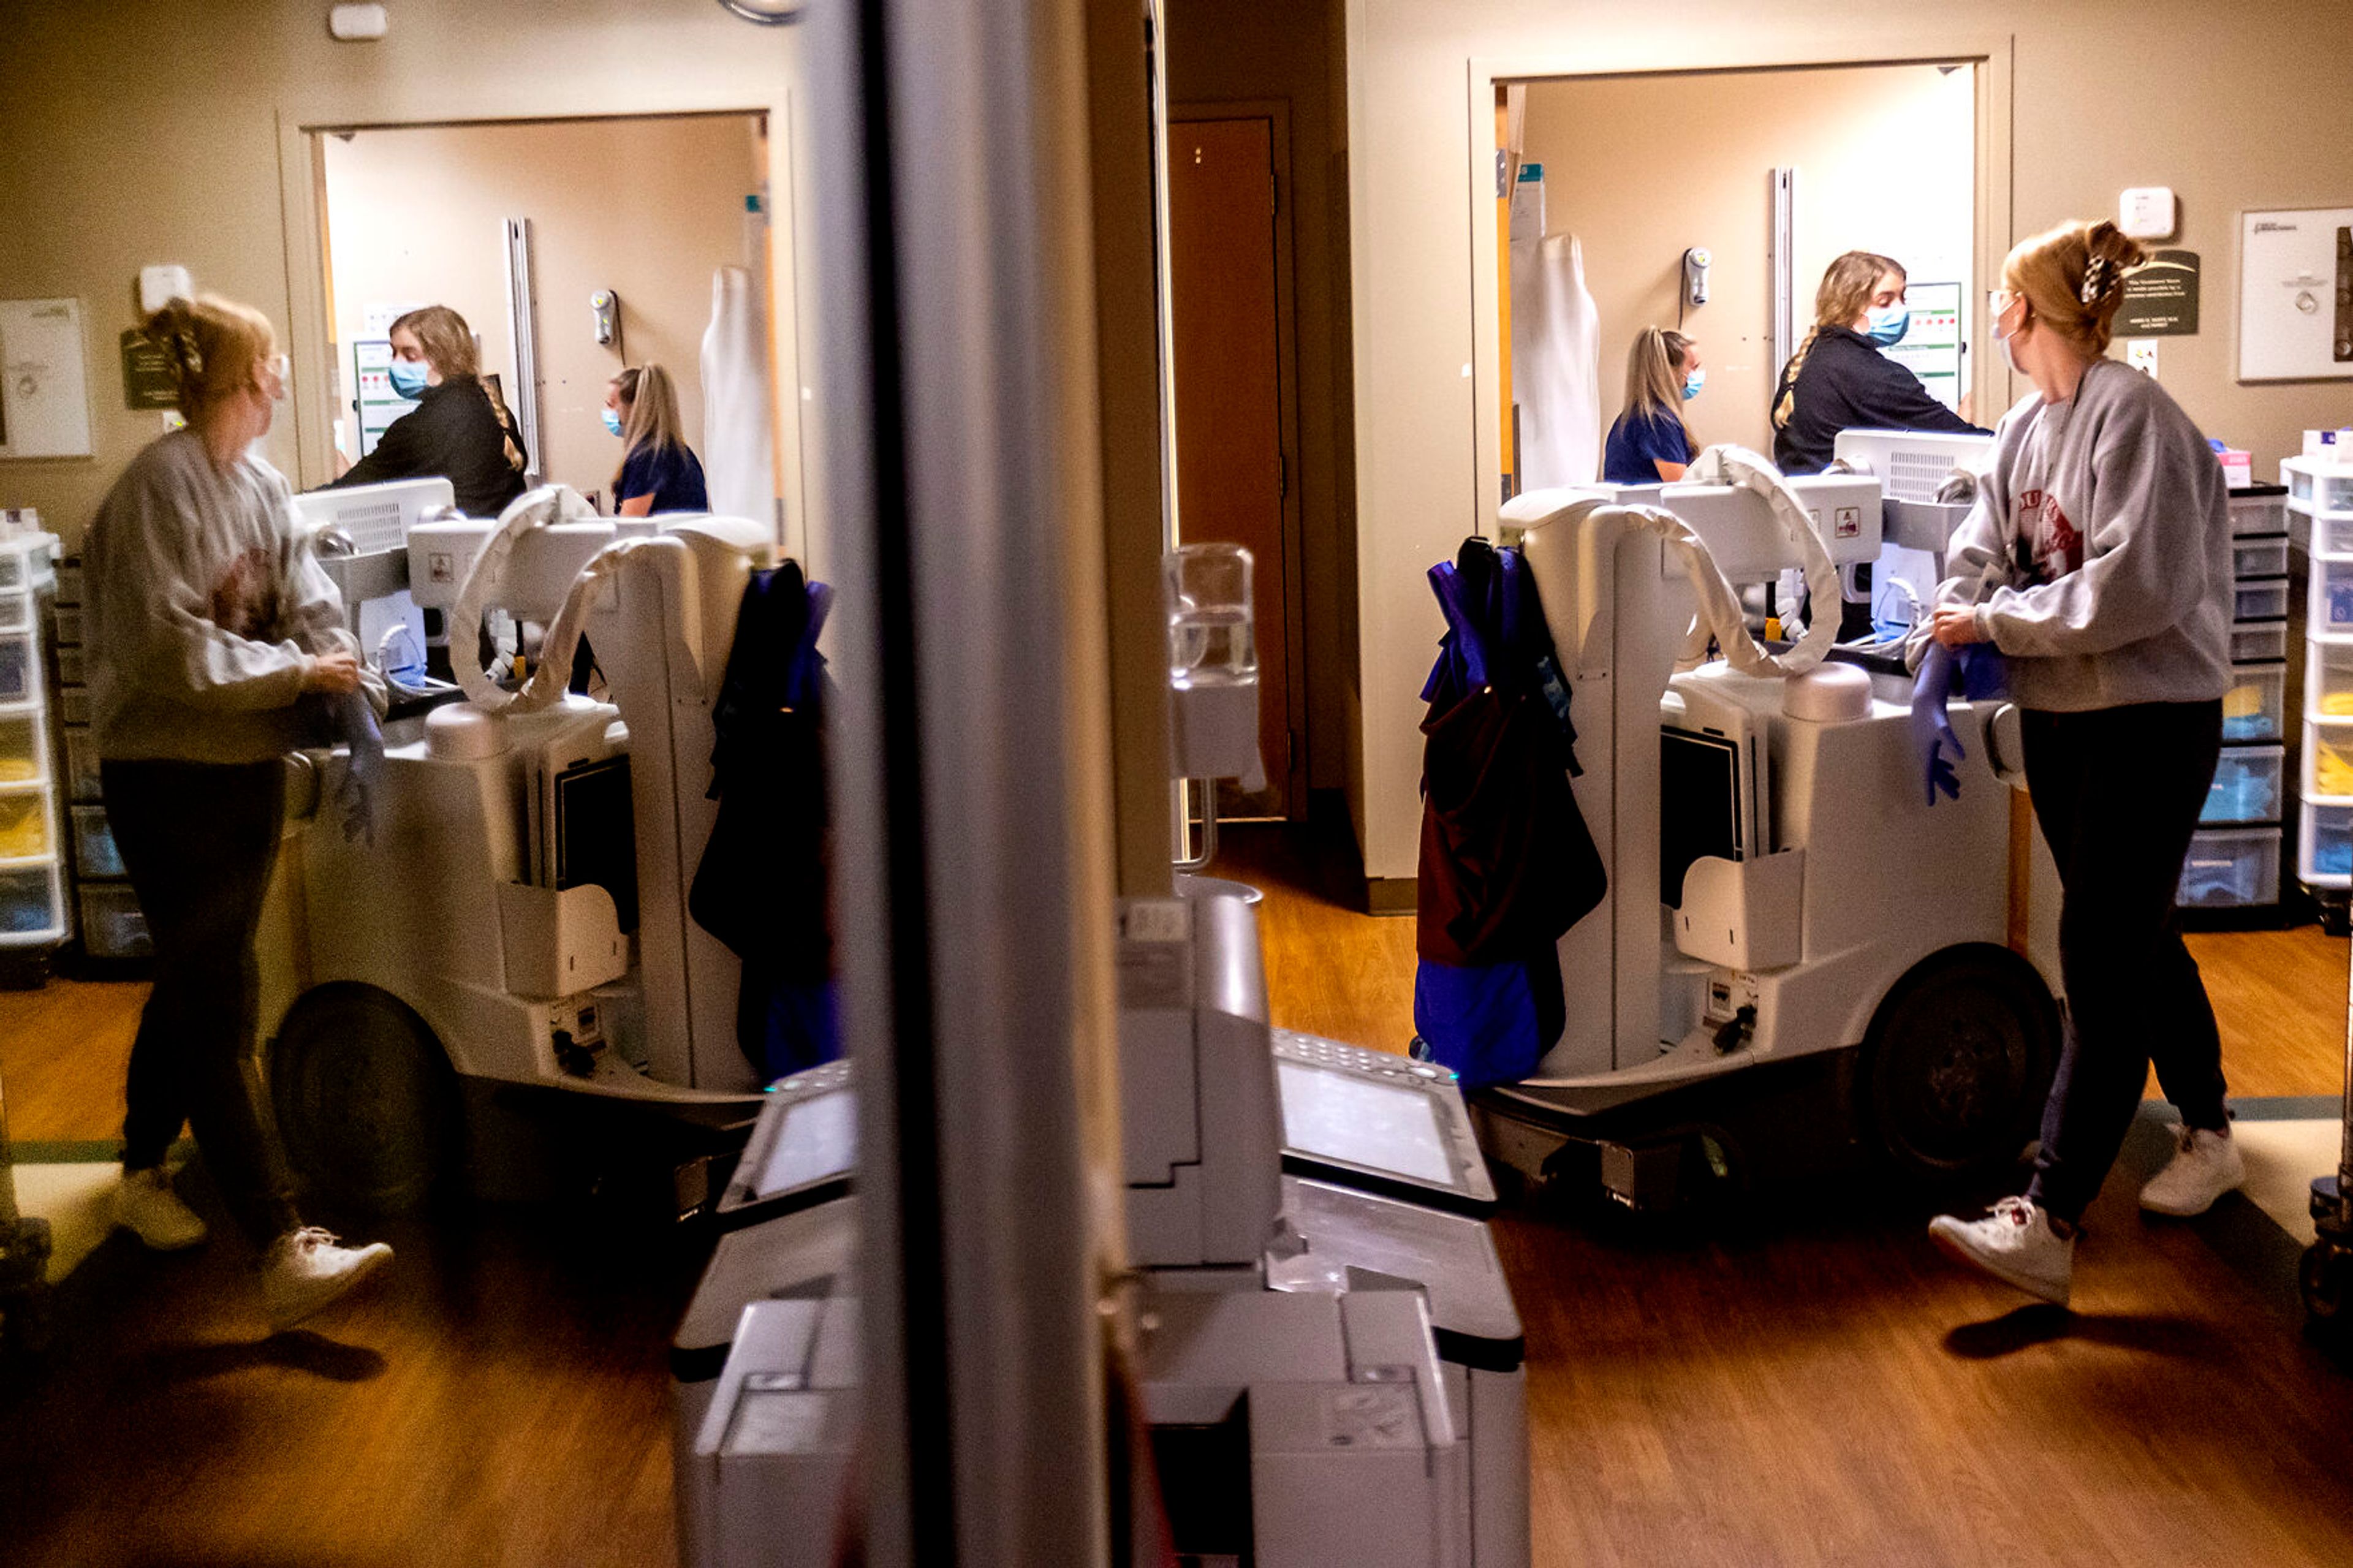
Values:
[(2098, 555), (203, 607)]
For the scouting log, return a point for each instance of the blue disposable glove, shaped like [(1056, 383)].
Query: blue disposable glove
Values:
[(355, 716), (1931, 730), (1984, 673)]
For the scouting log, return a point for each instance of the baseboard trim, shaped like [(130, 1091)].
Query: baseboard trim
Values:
[(1391, 895)]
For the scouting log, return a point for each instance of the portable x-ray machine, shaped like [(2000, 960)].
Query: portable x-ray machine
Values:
[(1330, 1362), (518, 911), (1785, 908)]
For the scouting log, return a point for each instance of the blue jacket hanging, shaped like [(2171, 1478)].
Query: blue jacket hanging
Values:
[(1507, 864)]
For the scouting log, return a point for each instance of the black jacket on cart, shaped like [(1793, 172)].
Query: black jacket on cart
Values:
[(761, 888)]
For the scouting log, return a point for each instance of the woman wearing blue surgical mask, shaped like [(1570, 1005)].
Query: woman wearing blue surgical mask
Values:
[(1840, 379), (458, 430), (659, 472), (1651, 443)]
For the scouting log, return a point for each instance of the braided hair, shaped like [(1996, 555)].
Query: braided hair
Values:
[(1845, 294)]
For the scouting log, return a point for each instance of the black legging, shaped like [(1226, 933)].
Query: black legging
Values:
[(200, 840), (2118, 791)]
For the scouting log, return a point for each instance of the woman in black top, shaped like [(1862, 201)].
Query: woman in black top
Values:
[(458, 431), (660, 472), (1839, 380)]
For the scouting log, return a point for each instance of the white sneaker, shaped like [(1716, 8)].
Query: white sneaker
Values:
[(307, 1268), (2015, 1244), (2205, 1166), (146, 1206)]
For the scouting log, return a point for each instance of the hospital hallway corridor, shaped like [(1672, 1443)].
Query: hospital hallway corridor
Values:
[(1813, 1385)]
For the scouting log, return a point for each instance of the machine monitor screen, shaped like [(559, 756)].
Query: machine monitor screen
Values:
[(1699, 805), (1365, 1122), (818, 1139), (597, 833)]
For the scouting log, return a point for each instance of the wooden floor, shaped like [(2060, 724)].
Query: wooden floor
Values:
[(1818, 1387)]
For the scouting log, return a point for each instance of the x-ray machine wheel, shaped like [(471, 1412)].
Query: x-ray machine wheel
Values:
[(1959, 1063), (366, 1100)]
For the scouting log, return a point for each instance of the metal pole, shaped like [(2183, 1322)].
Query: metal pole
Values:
[(971, 755)]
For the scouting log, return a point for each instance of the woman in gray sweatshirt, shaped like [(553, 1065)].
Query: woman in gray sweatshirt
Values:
[(2098, 560), (208, 619)]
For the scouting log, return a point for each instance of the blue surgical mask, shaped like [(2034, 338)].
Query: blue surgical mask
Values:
[(612, 421), (1888, 325), (408, 376), (1693, 382)]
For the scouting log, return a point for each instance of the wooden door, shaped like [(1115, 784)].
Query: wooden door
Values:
[(1225, 299)]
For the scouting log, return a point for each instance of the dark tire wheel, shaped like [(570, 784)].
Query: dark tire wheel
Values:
[(1959, 1063), (2326, 1278), (367, 1101)]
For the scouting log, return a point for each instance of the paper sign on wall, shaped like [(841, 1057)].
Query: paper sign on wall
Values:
[(2295, 295), (44, 384)]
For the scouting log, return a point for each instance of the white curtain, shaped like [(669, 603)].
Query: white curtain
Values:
[(738, 446), (1556, 363)]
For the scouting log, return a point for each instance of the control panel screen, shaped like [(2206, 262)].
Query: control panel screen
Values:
[(1365, 1122), (819, 1140)]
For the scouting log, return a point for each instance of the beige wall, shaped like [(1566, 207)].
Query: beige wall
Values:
[(646, 207), (1642, 167), (139, 134), (1247, 52), (2240, 110)]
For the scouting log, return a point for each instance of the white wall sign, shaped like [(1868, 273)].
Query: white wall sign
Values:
[(2295, 295), (44, 381)]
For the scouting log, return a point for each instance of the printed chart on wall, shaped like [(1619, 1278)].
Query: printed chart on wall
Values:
[(2295, 295), (44, 383), (1931, 349)]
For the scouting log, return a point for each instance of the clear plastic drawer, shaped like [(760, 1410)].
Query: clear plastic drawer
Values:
[(113, 924), (2236, 870), (81, 764), (2326, 858), (25, 824), (2250, 515), (15, 612), (73, 701), (2327, 492), (2251, 558), (19, 675), (2252, 602), (2250, 783), (2255, 707), (2331, 611), (2249, 644), (30, 906), (69, 666), (20, 749), (69, 624), (93, 839)]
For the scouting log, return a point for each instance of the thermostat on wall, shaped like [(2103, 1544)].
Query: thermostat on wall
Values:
[(2146, 212), (352, 23)]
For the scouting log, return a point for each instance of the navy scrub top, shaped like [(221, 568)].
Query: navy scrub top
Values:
[(1638, 442)]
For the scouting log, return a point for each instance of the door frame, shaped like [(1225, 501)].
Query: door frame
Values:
[(307, 112), (1994, 213), (1277, 112)]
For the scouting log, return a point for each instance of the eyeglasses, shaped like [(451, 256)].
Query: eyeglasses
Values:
[(2000, 300), (281, 373)]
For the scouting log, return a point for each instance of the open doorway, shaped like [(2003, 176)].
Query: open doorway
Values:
[(521, 226), (1754, 167)]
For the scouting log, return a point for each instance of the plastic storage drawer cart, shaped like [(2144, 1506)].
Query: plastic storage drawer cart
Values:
[(33, 917), (2234, 860), (114, 930), (2320, 497)]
